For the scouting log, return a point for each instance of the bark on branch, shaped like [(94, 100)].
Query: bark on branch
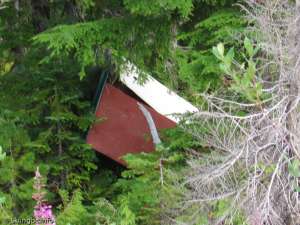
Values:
[(151, 124)]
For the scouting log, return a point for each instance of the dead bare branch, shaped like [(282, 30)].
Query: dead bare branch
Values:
[(251, 152)]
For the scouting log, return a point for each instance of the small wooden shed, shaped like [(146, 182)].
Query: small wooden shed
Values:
[(123, 128)]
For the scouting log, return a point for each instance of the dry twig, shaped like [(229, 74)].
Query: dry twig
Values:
[(251, 152)]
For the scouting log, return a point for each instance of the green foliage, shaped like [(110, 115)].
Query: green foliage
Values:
[(294, 171), (45, 110), (2, 154), (147, 187), (294, 168), (4, 213), (220, 26), (244, 77), (133, 44), (142, 189), (221, 208), (217, 2), (159, 7), (106, 213), (141, 34), (128, 217), (17, 163), (46, 128), (197, 70), (73, 212), (210, 213), (101, 211)]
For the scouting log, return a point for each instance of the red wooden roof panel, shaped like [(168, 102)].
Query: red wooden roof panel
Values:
[(124, 128)]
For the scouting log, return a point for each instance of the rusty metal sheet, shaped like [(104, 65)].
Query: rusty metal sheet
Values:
[(123, 128)]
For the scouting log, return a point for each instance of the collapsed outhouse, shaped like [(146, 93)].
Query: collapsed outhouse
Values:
[(123, 128)]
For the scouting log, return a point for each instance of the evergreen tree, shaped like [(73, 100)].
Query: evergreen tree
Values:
[(45, 108)]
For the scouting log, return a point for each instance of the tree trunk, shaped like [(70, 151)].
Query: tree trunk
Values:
[(40, 14)]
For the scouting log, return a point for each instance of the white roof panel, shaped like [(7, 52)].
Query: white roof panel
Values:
[(158, 96)]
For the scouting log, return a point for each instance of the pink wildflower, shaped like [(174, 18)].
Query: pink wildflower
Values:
[(42, 211), (43, 215)]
